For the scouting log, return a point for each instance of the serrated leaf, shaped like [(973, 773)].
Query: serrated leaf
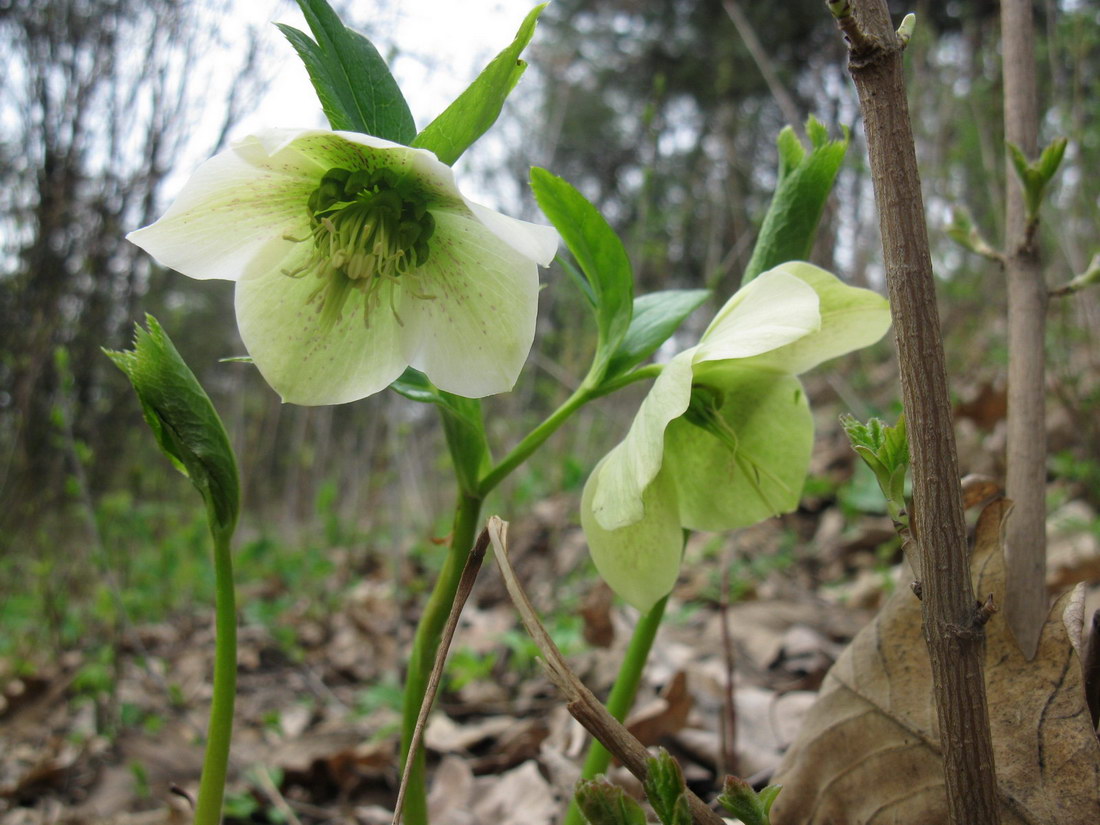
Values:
[(742, 801), (598, 251), (352, 81), (664, 788), (605, 804), (183, 420), (655, 318), (477, 108), (805, 182)]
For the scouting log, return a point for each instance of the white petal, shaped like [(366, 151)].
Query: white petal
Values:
[(532, 240), (469, 312), (304, 360), (233, 206), (640, 562), (772, 310), (633, 464), (851, 318)]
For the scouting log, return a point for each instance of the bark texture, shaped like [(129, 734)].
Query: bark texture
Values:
[(951, 622), (1025, 534)]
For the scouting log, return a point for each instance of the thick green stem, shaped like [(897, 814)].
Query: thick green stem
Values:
[(425, 645), (208, 810), (622, 696)]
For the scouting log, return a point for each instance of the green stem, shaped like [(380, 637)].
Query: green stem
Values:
[(426, 643), (534, 439), (622, 696), (208, 810)]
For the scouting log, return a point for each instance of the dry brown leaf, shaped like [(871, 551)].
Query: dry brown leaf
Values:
[(665, 715), (869, 751)]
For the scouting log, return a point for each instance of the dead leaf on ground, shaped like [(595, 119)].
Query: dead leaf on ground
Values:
[(869, 751)]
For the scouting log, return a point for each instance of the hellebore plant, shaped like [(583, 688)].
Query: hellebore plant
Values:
[(354, 258), (359, 266), (723, 439)]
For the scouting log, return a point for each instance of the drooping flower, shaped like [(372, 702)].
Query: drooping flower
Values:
[(355, 257), (723, 438)]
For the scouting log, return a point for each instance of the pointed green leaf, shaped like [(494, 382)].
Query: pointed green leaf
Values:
[(600, 254), (605, 804), (1051, 159), (477, 108), (353, 83), (183, 420), (655, 317), (805, 181), (664, 788)]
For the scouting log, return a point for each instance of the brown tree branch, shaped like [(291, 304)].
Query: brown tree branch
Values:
[(952, 626), (1026, 459)]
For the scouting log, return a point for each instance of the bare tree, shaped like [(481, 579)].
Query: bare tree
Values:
[(99, 100)]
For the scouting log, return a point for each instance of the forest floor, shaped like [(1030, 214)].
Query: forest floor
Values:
[(316, 732)]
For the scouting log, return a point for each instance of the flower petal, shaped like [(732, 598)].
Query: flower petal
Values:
[(468, 314), (304, 359), (851, 318), (232, 206), (719, 488), (771, 311), (532, 240), (640, 562), (633, 464)]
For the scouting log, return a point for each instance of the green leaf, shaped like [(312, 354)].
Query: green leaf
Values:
[(805, 181), (664, 788), (605, 804), (477, 108), (743, 802), (462, 425), (600, 255), (353, 83), (183, 420), (655, 317), (885, 450), (1034, 177)]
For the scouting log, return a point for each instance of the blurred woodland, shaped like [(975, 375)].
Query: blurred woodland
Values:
[(665, 114)]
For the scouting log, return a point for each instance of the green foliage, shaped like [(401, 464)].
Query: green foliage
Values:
[(665, 789), (805, 182), (184, 422), (656, 317), (886, 451), (605, 804), (601, 256), (477, 108), (1034, 177), (743, 802), (356, 89)]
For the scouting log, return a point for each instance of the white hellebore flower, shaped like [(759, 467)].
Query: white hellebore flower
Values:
[(723, 439), (354, 258)]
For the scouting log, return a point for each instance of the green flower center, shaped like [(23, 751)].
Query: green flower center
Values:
[(366, 227)]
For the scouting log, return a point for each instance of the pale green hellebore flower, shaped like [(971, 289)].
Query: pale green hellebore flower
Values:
[(723, 439), (355, 257)]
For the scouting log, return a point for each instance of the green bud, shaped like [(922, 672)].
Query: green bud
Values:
[(605, 804), (664, 787), (184, 422), (886, 451), (743, 802)]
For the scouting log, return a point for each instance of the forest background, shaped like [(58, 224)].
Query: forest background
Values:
[(664, 114)]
